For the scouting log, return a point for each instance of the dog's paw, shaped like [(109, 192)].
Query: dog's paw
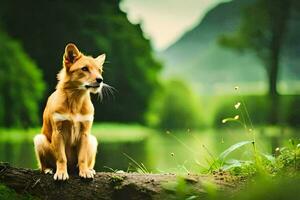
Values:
[(87, 173), (61, 175), (93, 171), (48, 171)]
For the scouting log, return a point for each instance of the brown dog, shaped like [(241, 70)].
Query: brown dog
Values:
[(65, 141)]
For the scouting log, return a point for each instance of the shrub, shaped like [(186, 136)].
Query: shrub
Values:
[(257, 106), (174, 107), (21, 85), (292, 110)]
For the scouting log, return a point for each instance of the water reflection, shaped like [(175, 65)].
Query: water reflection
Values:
[(159, 152)]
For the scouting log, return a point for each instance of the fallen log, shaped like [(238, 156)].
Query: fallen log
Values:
[(104, 186)]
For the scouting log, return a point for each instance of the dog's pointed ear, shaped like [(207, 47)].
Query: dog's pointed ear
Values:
[(71, 55), (100, 59)]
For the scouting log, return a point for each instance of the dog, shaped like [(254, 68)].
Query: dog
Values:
[(65, 143)]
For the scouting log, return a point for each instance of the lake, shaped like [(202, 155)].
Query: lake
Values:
[(120, 146)]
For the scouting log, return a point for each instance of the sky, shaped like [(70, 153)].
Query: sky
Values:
[(165, 21)]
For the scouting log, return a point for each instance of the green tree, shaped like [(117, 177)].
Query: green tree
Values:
[(263, 29), (21, 85), (174, 107), (45, 27)]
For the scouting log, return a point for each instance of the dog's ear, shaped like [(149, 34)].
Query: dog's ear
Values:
[(71, 55), (100, 59)]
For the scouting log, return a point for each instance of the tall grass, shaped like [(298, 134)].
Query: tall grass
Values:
[(286, 159)]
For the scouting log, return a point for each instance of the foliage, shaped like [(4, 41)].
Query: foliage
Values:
[(138, 167), (286, 160), (181, 189), (9, 194), (263, 29), (105, 132), (174, 107), (260, 188), (266, 188), (292, 109), (258, 107), (96, 27), (21, 85)]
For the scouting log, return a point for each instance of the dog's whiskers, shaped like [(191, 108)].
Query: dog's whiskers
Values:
[(100, 95), (108, 90)]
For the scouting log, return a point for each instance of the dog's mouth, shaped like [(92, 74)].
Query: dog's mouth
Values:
[(92, 85)]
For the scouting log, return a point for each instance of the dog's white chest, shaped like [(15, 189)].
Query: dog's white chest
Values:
[(76, 120)]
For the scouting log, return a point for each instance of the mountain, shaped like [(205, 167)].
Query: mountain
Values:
[(198, 58)]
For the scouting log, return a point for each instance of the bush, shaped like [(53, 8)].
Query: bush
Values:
[(174, 107), (291, 110), (257, 106), (21, 85)]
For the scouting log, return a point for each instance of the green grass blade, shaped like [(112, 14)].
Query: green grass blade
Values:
[(140, 167), (232, 148)]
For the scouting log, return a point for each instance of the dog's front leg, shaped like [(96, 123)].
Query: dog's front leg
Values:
[(60, 154), (84, 171)]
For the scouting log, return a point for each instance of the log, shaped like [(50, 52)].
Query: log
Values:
[(104, 186)]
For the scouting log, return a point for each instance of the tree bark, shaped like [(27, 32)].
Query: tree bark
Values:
[(104, 186), (279, 14)]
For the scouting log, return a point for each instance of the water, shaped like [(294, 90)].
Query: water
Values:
[(161, 151)]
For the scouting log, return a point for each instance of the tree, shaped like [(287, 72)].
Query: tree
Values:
[(45, 27), (263, 29), (21, 85), (175, 107)]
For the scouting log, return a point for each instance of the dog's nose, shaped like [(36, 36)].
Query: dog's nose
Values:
[(99, 80)]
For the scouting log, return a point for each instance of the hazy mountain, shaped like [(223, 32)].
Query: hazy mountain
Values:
[(198, 58)]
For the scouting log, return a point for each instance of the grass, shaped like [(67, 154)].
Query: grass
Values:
[(105, 132), (18, 135), (120, 132), (286, 159), (260, 162), (274, 175)]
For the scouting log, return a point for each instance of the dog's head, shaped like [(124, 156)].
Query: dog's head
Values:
[(80, 71)]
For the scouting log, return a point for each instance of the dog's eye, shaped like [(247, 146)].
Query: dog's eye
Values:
[(85, 69)]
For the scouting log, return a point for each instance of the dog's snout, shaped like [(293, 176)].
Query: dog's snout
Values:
[(99, 80)]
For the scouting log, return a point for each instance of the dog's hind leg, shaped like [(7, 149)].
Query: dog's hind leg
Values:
[(44, 154)]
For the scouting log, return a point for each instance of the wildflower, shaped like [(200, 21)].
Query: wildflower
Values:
[(237, 105), (230, 119), (236, 87)]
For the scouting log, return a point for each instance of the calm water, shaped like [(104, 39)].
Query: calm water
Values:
[(161, 151)]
